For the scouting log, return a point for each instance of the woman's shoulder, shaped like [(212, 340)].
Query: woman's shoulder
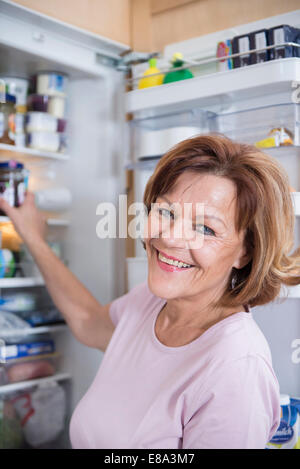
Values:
[(139, 299), (241, 337)]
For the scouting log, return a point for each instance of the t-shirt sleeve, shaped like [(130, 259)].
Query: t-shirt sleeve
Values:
[(124, 303), (242, 409)]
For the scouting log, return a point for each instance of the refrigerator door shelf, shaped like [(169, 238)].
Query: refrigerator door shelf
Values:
[(217, 91), (254, 125)]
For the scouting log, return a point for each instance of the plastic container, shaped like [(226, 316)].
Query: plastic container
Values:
[(177, 75), (158, 142), (24, 369), (16, 129), (56, 199), (7, 264), (7, 111), (54, 105), (40, 122), (17, 87), (61, 125), (13, 183), (287, 434), (52, 83), (147, 82), (46, 141)]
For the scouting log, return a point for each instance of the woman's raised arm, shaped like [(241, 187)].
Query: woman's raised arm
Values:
[(88, 320)]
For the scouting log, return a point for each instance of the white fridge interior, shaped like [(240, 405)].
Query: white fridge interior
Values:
[(91, 168)]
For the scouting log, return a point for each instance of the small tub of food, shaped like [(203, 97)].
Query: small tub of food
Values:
[(52, 83), (45, 141), (18, 87), (54, 105), (61, 125), (40, 122)]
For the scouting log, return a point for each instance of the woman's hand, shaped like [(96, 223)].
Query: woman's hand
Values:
[(29, 223)]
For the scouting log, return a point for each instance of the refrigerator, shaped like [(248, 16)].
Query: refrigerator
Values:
[(111, 131)]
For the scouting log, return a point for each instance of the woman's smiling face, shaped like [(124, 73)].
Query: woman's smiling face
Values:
[(205, 261)]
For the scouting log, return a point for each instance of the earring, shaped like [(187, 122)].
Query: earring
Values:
[(234, 279)]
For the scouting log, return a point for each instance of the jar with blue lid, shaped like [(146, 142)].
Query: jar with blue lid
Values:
[(13, 183)]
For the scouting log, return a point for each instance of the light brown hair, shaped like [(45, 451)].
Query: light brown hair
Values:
[(264, 210)]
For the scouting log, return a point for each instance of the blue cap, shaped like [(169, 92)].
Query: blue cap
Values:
[(11, 164), (9, 98)]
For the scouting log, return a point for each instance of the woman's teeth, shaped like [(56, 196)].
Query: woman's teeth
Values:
[(172, 262)]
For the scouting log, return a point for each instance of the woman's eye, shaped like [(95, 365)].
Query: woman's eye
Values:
[(166, 213), (205, 230)]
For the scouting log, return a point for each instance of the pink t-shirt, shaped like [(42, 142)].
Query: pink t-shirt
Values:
[(219, 391)]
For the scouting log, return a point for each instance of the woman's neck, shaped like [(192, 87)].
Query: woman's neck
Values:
[(182, 313)]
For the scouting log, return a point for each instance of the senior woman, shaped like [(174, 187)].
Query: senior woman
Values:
[(185, 364)]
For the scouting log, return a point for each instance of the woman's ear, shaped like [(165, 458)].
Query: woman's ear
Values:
[(243, 259)]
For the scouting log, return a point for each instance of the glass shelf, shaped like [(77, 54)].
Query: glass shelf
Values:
[(8, 388), (25, 153), (198, 118), (145, 164)]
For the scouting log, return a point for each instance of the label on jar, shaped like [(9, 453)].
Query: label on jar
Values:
[(1, 124), (7, 192), (21, 192)]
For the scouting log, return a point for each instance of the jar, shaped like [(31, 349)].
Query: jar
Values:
[(51, 83), (13, 183), (7, 111)]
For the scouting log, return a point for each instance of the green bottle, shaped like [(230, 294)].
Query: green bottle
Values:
[(177, 75)]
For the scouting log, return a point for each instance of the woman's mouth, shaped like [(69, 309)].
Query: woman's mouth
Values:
[(171, 264)]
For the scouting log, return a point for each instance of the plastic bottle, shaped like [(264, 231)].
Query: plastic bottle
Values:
[(177, 75), (147, 82), (287, 434)]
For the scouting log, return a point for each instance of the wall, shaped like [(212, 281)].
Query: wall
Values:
[(109, 18), (177, 20)]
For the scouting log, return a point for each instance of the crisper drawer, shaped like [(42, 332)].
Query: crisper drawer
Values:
[(35, 417)]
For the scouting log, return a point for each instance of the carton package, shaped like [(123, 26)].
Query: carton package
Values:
[(281, 34)]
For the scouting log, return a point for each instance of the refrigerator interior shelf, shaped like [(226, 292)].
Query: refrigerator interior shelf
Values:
[(216, 91), (21, 282), (12, 151), (34, 330), (59, 222), (7, 388), (50, 221)]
